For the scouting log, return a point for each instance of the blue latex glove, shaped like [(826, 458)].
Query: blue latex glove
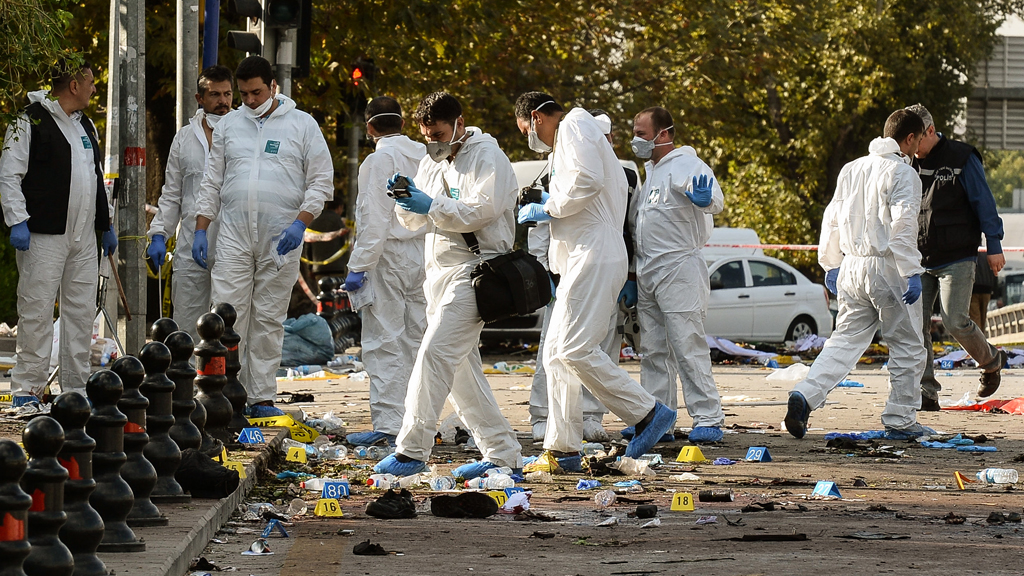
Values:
[(200, 247), (830, 280), (20, 236), (157, 249), (701, 195), (354, 281), (419, 202), (544, 197), (109, 241), (628, 293), (292, 238), (913, 289), (533, 213), (391, 182)]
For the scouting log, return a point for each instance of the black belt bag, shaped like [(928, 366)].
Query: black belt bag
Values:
[(513, 284)]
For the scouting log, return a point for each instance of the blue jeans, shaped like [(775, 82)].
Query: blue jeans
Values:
[(953, 284)]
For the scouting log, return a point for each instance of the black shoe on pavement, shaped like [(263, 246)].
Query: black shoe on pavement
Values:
[(797, 414), (929, 404), (990, 380), (393, 505), (465, 505)]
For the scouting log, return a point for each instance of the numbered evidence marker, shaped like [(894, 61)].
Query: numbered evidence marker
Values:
[(296, 454), (502, 496), (302, 433), (682, 502), (758, 454), (328, 507), (251, 436), (691, 454), (334, 489), (237, 467), (826, 489)]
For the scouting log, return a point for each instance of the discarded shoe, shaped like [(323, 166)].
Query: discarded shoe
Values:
[(930, 404), (465, 505), (798, 412), (264, 411), (630, 431), (662, 423), (393, 505), (391, 465), (990, 380), (473, 470), (593, 431), (706, 434), (539, 430), (369, 438), (914, 431)]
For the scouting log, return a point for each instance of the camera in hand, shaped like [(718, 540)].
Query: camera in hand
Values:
[(530, 195), (401, 188)]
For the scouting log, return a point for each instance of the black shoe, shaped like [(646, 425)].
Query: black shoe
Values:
[(990, 380), (393, 505), (797, 414), (929, 404), (465, 505)]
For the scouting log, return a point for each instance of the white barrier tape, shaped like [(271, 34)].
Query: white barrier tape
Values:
[(314, 236), (815, 247)]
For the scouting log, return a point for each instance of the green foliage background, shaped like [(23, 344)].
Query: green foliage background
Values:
[(775, 96)]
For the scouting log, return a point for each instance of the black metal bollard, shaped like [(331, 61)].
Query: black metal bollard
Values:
[(184, 432), (138, 472), (210, 379), (113, 497), (14, 505), (161, 451), (44, 482), (233, 389), (325, 305), (162, 328), (83, 531)]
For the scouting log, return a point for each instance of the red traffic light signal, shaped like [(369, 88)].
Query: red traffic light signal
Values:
[(363, 69)]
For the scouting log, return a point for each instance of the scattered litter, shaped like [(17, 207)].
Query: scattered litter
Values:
[(733, 349), (976, 449), (604, 498), (771, 538), (737, 522), (1000, 518), (849, 384), (646, 511), (506, 368), (869, 435), (685, 477), (794, 373), (952, 518), (721, 495), (258, 548), (585, 484), (707, 520), (723, 462), (652, 524), (542, 535), (632, 467), (527, 515), (758, 507), (874, 536), (517, 503), (364, 548), (627, 483), (608, 522)]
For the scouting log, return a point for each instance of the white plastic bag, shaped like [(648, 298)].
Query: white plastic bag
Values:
[(794, 373)]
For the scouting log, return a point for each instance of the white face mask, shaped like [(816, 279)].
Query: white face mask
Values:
[(533, 140), (259, 112), (373, 138), (212, 119), (438, 151), (645, 148)]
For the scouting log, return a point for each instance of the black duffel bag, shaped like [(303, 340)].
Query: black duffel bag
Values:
[(513, 284)]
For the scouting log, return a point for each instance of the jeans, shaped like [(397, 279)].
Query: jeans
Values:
[(953, 285)]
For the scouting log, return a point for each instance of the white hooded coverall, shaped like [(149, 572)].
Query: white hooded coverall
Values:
[(68, 262), (260, 177), (176, 214), (672, 284), (588, 205), (392, 258), (870, 229), (481, 197)]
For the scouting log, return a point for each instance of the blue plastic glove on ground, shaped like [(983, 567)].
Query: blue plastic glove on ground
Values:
[(830, 280), (701, 195), (913, 289), (354, 281), (419, 202), (199, 248), (109, 241), (533, 213), (292, 238), (157, 249), (628, 293), (20, 236)]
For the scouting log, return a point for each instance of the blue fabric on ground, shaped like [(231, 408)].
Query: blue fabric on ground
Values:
[(307, 340), (869, 435), (849, 384), (976, 449)]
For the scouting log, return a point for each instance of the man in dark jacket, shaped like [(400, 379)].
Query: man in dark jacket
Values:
[(957, 207), (54, 200)]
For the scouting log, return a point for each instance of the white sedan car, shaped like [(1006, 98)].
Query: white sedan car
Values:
[(761, 299)]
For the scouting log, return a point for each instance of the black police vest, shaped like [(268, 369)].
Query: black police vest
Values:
[(47, 183), (948, 228)]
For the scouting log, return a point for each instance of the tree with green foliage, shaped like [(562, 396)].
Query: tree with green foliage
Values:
[(1005, 172)]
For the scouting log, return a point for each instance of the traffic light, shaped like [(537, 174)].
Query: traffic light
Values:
[(283, 13), (273, 17), (363, 70), (251, 40)]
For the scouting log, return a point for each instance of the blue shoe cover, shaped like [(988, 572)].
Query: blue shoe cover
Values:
[(662, 423), (473, 470), (914, 431), (706, 434), (628, 432), (391, 465), (262, 411), (369, 438)]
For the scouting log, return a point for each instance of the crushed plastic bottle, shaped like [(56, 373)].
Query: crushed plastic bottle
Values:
[(499, 470), (333, 451), (297, 507), (378, 452), (408, 481), (361, 451), (382, 481), (442, 483), (539, 477), (604, 498), (311, 451), (998, 476)]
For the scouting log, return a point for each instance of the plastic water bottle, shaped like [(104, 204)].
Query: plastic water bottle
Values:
[(382, 481), (313, 484), (499, 470), (540, 477), (307, 369), (378, 452), (475, 483), (442, 483), (361, 451), (592, 448), (998, 476), (333, 452), (408, 481), (498, 482), (604, 498)]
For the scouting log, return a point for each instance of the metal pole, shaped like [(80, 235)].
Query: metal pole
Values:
[(285, 60), (211, 32), (354, 134), (131, 217), (187, 65), (111, 141)]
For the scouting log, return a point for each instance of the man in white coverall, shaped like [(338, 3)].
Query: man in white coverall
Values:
[(54, 200), (465, 184), (672, 220), (387, 261), (269, 174), (869, 251), (176, 214), (586, 208)]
